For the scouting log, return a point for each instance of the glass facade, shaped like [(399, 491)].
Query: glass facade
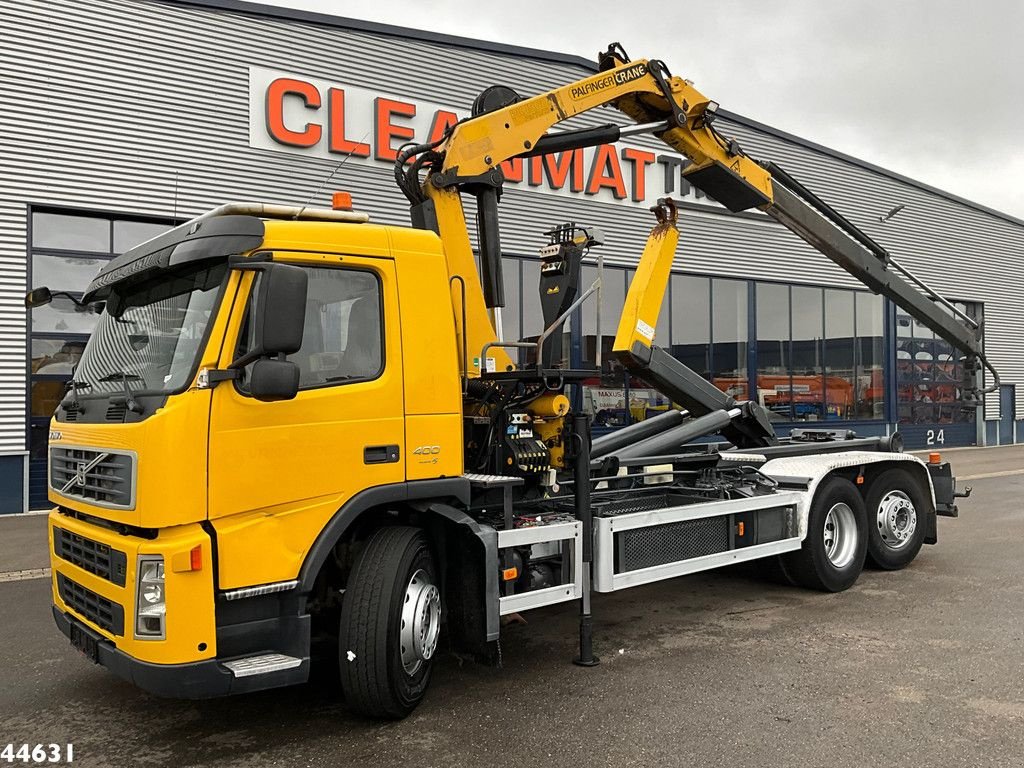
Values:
[(869, 359), (67, 250), (928, 375), (805, 353), (774, 349)]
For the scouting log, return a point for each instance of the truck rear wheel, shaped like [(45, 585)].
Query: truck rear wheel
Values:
[(832, 555), (895, 506), (390, 623)]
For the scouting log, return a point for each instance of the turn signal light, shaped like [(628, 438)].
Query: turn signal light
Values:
[(341, 201), (183, 562), (740, 528), (510, 574), (934, 458)]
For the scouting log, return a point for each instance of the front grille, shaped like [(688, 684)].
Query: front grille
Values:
[(104, 613), (670, 543), (92, 556), (104, 478)]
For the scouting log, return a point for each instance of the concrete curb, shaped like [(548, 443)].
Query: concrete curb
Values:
[(31, 573)]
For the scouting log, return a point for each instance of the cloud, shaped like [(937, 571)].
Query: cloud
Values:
[(928, 88)]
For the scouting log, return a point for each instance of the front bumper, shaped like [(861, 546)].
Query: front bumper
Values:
[(195, 680)]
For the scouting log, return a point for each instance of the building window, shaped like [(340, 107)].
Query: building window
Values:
[(818, 353), (607, 395), (840, 340), (807, 394), (690, 343), (870, 356), (532, 316), (928, 375), (774, 363), (729, 337), (71, 232), (66, 250), (511, 328)]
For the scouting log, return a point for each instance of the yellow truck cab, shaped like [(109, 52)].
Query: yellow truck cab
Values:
[(254, 388)]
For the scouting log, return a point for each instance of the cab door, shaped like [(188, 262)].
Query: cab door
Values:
[(283, 468)]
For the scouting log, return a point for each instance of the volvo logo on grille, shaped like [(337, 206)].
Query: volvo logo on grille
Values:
[(81, 474)]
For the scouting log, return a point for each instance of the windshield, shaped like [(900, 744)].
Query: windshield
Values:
[(149, 337)]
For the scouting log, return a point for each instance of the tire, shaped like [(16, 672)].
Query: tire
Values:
[(896, 506), (832, 562), (391, 593)]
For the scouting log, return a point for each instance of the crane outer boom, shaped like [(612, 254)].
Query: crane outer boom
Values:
[(682, 117)]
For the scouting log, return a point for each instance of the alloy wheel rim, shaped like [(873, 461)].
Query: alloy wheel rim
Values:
[(896, 519), (421, 622), (840, 535)]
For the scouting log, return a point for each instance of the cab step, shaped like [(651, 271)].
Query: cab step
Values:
[(261, 665)]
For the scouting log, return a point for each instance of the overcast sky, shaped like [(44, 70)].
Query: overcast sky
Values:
[(933, 89)]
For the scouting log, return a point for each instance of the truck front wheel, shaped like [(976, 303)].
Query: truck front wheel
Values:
[(895, 524), (390, 623), (832, 555)]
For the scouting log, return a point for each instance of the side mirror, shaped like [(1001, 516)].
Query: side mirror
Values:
[(38, 297), (273, 380), (279, 310), (278, 313), (278, 317)]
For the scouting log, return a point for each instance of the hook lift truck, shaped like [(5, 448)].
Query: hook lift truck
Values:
[(294, 430)]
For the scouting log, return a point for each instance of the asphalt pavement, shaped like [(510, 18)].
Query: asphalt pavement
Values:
[(922, 667)]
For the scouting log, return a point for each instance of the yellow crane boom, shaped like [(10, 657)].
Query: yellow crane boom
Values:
[(468, 158)]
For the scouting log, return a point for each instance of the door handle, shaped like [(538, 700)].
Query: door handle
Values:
[(380, 454)]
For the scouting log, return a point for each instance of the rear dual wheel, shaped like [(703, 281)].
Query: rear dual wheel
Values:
[(895, 508), (833, 553)]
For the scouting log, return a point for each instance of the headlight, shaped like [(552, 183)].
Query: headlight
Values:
[(150, 605)]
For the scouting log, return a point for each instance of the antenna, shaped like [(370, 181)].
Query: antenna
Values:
[(892, 212), (326, 181)]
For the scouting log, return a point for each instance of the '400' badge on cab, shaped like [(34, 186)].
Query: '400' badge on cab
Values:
[(427, 453)]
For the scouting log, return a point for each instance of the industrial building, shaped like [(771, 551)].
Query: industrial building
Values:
[(122, 118)]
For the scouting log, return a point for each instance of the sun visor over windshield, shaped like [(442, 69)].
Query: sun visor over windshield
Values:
[(194, 241)]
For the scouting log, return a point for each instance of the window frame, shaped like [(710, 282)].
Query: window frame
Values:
[(31, 208), (240, 384)]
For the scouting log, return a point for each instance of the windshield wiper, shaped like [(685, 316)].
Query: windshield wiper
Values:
[(72, 388), (128, 401)]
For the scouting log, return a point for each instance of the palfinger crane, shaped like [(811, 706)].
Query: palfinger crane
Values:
[(504, 126)]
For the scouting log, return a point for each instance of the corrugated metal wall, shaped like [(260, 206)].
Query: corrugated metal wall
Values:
[(142, 107)]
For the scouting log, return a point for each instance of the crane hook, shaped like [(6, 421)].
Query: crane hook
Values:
[(665, 211)]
